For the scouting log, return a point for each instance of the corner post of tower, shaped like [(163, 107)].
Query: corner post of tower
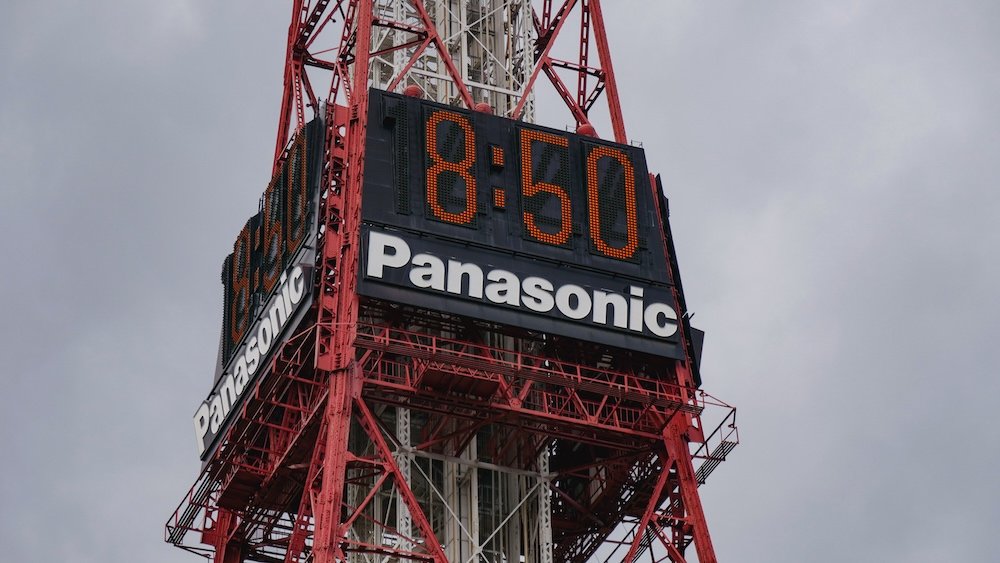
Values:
[(679, 452)]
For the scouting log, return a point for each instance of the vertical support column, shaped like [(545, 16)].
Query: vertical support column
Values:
[(677, 450), (610, 85), (463, 44), (227, 548), (341, 250), (307, 507), (461, 493), (398, 37), (470, 485), (329, 533), (516, 488), (404, 459), (675, 484), (544, 509), (291, 90)]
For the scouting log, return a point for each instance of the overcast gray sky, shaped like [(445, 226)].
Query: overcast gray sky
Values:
[(833, 172)]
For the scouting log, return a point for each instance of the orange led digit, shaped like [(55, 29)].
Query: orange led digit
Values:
[(440, 165), (530, 188), (239, 285), (295, 197), (594, 205), (272, 243)]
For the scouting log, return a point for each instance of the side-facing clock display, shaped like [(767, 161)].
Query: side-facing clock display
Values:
[(270, 239)]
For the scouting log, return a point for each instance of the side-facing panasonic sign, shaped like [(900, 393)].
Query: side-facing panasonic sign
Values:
[(494, 282), (264, 338)]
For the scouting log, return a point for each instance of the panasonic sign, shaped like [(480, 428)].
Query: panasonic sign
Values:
[(531, 293), (263, 338)]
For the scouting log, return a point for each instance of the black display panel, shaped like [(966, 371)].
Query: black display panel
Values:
[(506, 195), (512, 185), (271, 238), (268, 283)]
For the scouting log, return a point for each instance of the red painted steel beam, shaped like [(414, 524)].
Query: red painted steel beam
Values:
[(677, 449), (610, 85), (581, 77), (290, 87), (370, 425), (546, 39)]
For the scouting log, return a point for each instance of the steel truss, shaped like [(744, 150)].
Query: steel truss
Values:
[(381, 431), (624, 424)]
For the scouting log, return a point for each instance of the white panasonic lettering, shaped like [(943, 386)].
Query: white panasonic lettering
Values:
[(427, 272), (538, 294), (619, 307), (265, 333), (242, 375), (298, 286), (506, 289), (213, 412), (472, 272), (626, 310), (652, 317), (286, 299), (201, 425), (635, 308), (252, 357), (217, 413), (228, 392), (565, 297), (278, 313), (379, 258)]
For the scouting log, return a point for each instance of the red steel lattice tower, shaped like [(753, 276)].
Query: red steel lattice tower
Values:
[(384, 432)]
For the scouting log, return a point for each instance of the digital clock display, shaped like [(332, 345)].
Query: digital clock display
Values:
[(477, 188), (270, 240)]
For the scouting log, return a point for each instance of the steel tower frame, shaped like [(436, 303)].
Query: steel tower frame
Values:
[(343, 452)]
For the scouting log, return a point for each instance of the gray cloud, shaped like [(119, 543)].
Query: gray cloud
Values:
[(832, 169)]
